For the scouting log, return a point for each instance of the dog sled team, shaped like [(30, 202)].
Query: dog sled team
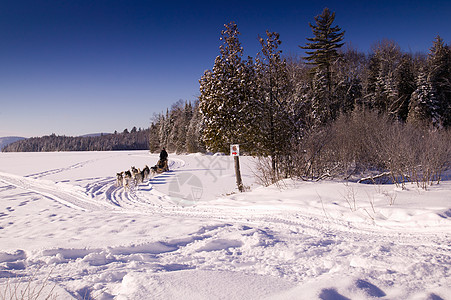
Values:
[(136, 176), (133, 176)]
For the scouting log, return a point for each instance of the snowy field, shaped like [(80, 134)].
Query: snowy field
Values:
[(187, 234)]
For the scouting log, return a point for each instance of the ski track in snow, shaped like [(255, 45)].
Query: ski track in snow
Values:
[(293, 246), (60, 170)]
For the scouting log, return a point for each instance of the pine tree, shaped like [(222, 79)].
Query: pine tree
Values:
[(439, 65), (276, 127), (326, 41), (165, 127), (324, 45), (385, 61), (226, 96), (405, 84), (194, 134), (154, 141), (423, 104)]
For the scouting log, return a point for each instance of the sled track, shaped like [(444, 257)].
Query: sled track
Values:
[(60, 170), (60, 193), (103, 194)]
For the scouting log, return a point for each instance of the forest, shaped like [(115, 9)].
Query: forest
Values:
[(336, 111), (136, 139)]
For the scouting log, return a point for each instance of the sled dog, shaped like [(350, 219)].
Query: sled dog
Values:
[(119, 179), (127, 178), (145, 173)]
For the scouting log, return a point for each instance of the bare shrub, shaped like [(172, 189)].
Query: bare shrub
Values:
[(366, 143), (264, 173), (434, 156), (350, 197), (348, 147), (31, 289), (311, 155), (416, 154), (357, 140)]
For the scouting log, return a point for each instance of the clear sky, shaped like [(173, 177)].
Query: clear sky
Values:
[(74, 67)]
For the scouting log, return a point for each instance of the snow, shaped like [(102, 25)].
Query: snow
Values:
[(190, 234)]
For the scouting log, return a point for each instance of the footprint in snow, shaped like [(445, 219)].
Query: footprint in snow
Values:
[(370, 288), (331, 294)]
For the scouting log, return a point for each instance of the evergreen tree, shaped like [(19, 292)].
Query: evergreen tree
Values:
[(154, 141), (383, 91), (405, 84), (276, 127), (325, 43), (226, 97), (323, 55), (439, 65), (194, 134), (423, 104), (165, 129)]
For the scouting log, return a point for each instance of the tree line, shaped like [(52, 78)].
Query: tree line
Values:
[(271, 99), (287, 108), (178, 130), (136, 139)]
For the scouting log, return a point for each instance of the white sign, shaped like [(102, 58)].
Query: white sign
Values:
[(235, 150)]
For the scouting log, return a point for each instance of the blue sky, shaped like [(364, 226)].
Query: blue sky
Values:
[(74, 67)]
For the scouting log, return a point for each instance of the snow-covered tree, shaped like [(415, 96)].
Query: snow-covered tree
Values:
[(276, 123), (194, 134), (154, 139), (423, 105), (431, 101), (348, 72), (390, 80), (226, 97), (439, 65), (405, 85), (382, 91)]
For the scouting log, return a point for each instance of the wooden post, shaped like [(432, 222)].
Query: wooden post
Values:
[(235, 152), (239, 182)]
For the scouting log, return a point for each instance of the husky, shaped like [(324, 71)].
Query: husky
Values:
[(139, 178), (134, 171), (119, 179), (145, 173), (127, 178), (154, 170), (137, 175)]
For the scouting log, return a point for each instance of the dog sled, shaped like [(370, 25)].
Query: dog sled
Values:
[(161, 166)]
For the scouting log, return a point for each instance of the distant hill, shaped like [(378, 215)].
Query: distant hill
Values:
[(95, 134), (5, 141)]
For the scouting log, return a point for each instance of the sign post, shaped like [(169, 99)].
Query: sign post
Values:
[(235, 152)]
